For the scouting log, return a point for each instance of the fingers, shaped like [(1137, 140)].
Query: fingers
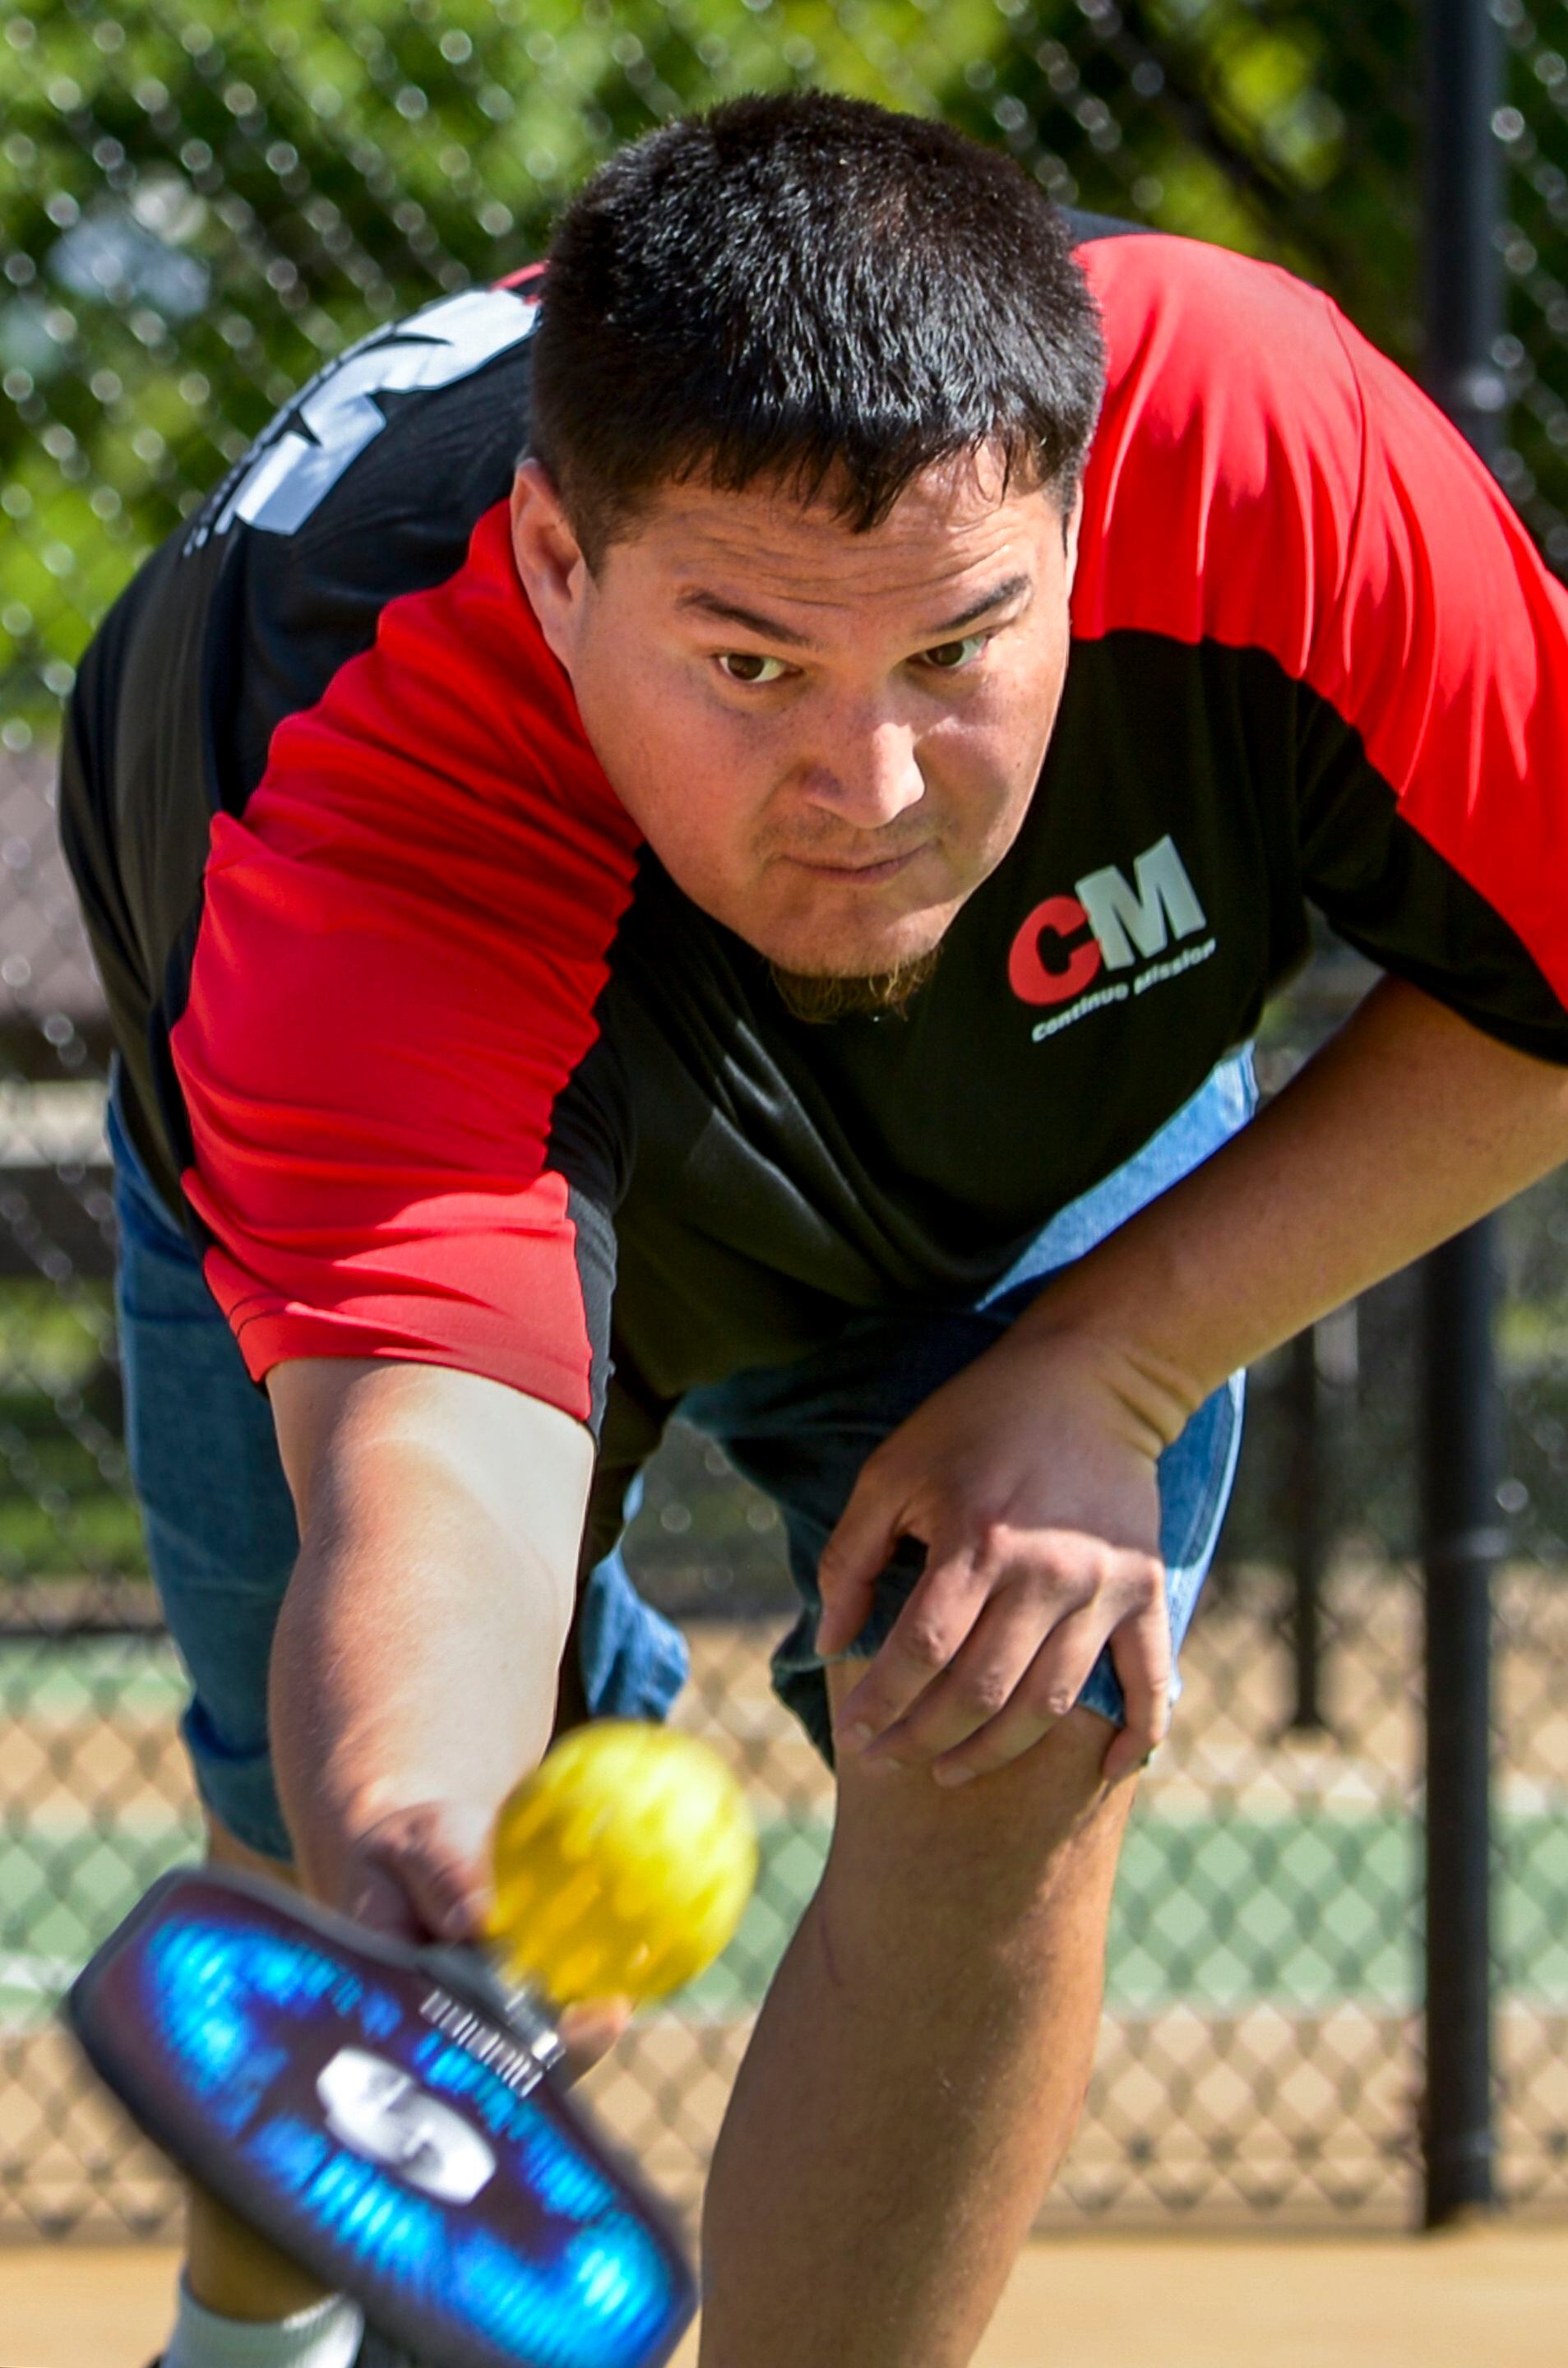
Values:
[(925, 1636), (422, 1873), (854, 1558), (999, 1697), (589, 2031), (979, 1667), (1140, 1653)]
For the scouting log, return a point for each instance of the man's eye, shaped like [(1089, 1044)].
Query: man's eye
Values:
[(744, 666), (952, 657)]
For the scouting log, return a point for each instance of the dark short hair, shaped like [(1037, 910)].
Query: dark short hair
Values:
[(811, 288)]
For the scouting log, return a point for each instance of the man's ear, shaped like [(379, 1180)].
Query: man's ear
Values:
[(1069, 526), (551, 564)]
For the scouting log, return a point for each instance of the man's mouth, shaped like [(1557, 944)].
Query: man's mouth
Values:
[(883, 868)]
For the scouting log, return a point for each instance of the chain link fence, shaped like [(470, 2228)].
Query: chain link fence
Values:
[(196, 209)]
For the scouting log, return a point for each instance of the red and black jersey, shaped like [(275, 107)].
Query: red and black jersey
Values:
[(444, 1064)]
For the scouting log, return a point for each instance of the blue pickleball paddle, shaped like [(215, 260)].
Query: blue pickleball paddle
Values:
[(390, 2118)]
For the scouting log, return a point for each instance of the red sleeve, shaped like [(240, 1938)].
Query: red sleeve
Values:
[(1450, 653), (1222, 484), (1262, 478), (393, 984)]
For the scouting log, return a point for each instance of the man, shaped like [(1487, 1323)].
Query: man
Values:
[(797, 855)]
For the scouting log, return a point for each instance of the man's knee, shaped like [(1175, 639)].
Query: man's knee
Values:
[(1024, 1856)]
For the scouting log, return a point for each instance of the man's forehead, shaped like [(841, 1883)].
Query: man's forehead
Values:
[(998, 593), (950, 525)]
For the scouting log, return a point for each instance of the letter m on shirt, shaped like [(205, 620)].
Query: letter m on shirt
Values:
[(1161, 904)]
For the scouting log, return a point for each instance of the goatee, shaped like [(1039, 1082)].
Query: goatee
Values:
[(818, 1000)]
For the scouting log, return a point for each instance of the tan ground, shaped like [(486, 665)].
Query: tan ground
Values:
[(1496, 2294)]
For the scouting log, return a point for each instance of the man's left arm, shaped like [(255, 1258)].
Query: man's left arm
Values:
[(1030, 1476)]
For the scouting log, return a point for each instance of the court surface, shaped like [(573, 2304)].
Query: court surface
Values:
[(1492, 2293)]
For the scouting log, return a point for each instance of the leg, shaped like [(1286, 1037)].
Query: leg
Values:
[(228, 2267), (919, 2065), (922, 2057)]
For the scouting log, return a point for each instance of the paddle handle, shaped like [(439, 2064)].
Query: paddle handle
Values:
[(521, 2006)]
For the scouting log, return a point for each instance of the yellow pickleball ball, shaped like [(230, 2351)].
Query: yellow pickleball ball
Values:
[(622, 1863)]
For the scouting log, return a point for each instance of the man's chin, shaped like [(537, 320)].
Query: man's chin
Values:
[(821, 997)]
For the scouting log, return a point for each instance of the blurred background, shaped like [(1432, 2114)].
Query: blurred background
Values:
[(201, 206)]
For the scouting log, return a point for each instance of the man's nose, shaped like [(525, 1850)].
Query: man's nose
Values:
[(868, 775)]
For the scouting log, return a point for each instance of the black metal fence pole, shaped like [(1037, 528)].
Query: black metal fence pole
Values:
[(1461, 1546), (1460, 1457)]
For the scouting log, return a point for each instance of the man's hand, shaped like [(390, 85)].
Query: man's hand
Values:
[(1030, 1480), (422, 1873), (419, 1873)]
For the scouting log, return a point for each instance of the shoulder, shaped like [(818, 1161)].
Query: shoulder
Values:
[(427, 394), (1223, 482), (1193, 326), (452, 751)]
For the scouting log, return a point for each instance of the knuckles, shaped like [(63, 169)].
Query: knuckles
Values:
[(1057, 1701), (985, 1692), (927, 1643), (1070, 1569), (1001, 1545), (1148, 1584), (417, 1839)]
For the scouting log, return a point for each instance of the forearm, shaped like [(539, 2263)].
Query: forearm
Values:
[(417, 1651), (1407, 1127), (377, 1707)]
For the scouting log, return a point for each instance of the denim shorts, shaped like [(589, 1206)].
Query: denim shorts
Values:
[(220, 1522)]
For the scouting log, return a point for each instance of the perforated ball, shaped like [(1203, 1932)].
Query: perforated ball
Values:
[(622, 1863)]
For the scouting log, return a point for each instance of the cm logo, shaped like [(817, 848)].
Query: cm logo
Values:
[(1107, 923)]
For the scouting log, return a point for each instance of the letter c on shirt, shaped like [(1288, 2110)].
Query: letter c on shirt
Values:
[(1064, 918)]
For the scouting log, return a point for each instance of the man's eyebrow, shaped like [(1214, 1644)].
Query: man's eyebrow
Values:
[(1011, 590), (768, 629), (730, 612)]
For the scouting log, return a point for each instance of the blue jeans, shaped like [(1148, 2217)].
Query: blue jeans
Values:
[(220, 1522)]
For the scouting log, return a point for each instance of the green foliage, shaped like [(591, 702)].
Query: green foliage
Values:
[(63, 1504), (198, 207), (197, 214), (1247, 124)]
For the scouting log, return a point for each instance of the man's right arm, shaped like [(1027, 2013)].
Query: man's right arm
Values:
[(414, 1669)]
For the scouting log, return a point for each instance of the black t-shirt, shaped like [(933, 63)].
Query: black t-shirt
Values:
[(448, 1069)]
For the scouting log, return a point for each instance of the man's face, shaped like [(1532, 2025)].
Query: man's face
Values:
[(829, 739)]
